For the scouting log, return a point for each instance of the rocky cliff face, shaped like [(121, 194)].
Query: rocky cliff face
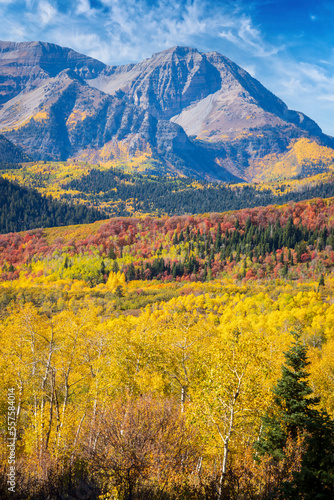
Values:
[(240, 103), (164, 84), (199, 113)]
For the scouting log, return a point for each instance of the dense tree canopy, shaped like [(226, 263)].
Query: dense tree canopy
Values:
[(22, 208)]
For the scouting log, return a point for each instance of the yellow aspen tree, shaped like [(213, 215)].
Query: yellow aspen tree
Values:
[(73, 374), (322, 374), (29, 354), (229, 398), (117, 283), (178, 343)]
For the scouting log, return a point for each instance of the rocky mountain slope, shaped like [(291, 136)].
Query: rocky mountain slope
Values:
[(197, 114)]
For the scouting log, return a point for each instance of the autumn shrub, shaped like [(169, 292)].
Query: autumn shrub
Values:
[(141, 448), (46, 477)]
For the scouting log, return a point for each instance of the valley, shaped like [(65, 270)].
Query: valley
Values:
[(166, 282)]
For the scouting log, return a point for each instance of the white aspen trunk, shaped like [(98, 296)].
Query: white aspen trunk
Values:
[(43, 384), (19, 402), (227, 438), (76, 437), (183, 397), (62, 418), (48, 432), (52, 398), (58, 419), (225, 455), (66, 391), (93, 422)]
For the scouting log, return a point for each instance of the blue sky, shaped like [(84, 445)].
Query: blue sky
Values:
[(287, 45)]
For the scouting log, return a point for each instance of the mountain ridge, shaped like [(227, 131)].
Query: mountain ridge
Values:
[(198, 114)]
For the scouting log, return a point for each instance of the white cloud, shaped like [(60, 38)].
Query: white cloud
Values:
[(244, 35), (314, 73), (37, 16), (88, 44), (302, 86), (252, 37), (18, 31), (230, 37), (251, 69), (326, 97), (134, 29), (46, 13), (83, 7)]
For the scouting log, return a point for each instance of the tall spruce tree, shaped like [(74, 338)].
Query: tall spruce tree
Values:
[(218, 238), (294, 414)]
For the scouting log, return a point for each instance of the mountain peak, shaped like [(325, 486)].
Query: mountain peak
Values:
[(185, 106), (27, 62), (33, 46), (179, 50)]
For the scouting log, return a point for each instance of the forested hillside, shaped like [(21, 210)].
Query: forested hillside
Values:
[(144, 356), (295, 240), (24, 208), (120, 193), (123, 194), (11, 155)]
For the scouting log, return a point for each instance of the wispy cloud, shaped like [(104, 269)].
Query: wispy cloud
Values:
[(84, 7), (46, 13), (303, 86), (326, 97), (134, 29), (309, 78), (166, 23)]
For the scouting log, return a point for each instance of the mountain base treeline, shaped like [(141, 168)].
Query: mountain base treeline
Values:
[(23, 208), (179, 196)]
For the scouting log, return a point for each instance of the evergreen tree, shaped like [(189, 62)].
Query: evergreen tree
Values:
[(292, 403), (248, 224), (131, 273), (218, 238), (205, 272), (321, 282), (294, 414), (111, 253)]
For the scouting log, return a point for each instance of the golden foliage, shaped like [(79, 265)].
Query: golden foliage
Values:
[(303, 154)]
